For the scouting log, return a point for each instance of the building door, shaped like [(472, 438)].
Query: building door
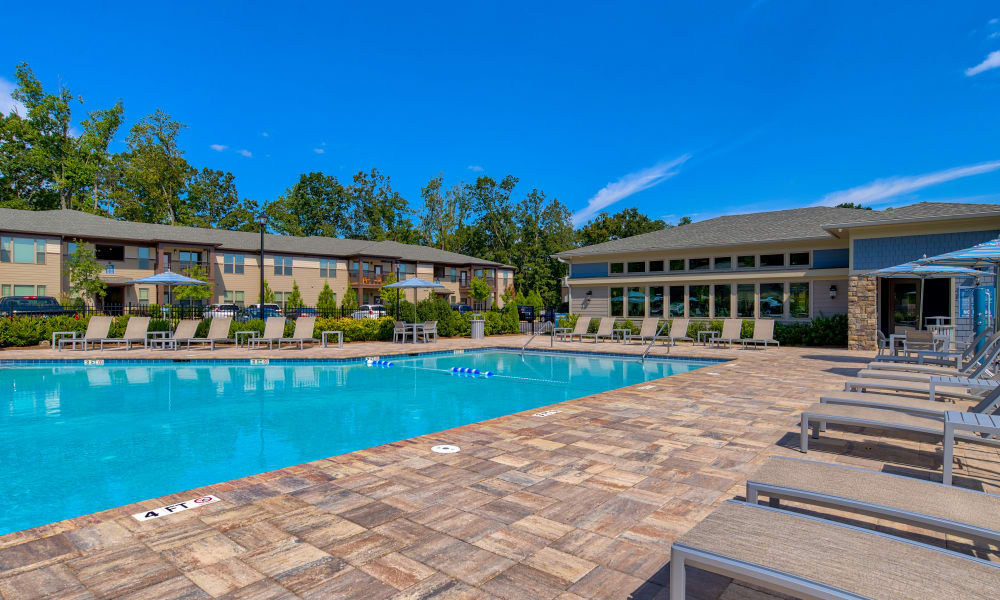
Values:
[(899, 303), (937, 298)]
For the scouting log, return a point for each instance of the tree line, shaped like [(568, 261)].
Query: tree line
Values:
[(46, 164)]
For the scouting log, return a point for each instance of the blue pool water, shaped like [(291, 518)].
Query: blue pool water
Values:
[(77, 439)]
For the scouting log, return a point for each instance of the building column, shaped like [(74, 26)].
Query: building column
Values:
[(862, 312)]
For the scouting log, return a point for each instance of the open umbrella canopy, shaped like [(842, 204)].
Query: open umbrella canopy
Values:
[(168, 278), (414, 283), (925, 271), (981, 255)]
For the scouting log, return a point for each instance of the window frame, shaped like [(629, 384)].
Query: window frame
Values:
[(715, 263), (808, 291), (760, 300), (707, 299), (807, 254), (656, 262), (682, 290), (611, 301), (781, 255), (740, 260), (640, 266), (653, 312), (740, 314), (707, 267), (715, 300), (681, 263), (616, 268), (632, 293)]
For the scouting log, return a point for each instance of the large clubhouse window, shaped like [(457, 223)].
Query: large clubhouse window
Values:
[(656, 301), (723, 300), (655, 266), (328, 268), (798, 300), (744, 300), (617, 267), (636, 302), (798, 259), (677, 301), (107, 252), (698, 264), (698, 301), (22, 250), (677, 264), (144, 258), (746, 262), (772, 299), (617, 302), (233, 263), (723, 262), (282, 265), (637, 267), (772, 260)]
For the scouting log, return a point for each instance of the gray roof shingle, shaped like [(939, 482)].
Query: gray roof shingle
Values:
[(778, 226), (72, 223)]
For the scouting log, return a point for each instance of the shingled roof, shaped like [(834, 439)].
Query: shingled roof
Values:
[(816, 222), (72, 223)]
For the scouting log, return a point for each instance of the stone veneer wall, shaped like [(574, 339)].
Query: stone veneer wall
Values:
[(862, 312)]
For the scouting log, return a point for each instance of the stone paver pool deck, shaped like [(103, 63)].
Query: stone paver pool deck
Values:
[(583, 503)]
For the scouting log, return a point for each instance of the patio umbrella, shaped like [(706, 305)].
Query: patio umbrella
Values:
[(169, 279), (415, 284), (986, 254), (913, 269)]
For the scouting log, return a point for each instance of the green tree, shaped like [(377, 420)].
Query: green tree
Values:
[(390, 296), (494, 232), (326, 304), (268, 293), (377, 211), (543, 228), (294, 299), (443, 215), (480, 291), (316, 205), (350, 301), (84, 273), (194, 293), (151, 176), (623, 224), (212, 201), (853, 205), (43, 163), (535, 299)]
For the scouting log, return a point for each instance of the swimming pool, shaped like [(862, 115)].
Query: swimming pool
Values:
[(76, 438)]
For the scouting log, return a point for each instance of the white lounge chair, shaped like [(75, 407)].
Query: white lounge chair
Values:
[(564, 334), (679, 331), (920, 388), (274, 330), (304, 328), (218, 333), (916, 406), (97, 330), (604, 330), (647, 331), (135, 333), (731, 331), (980, 368), (763, 333), (808, 557), (967, 363)]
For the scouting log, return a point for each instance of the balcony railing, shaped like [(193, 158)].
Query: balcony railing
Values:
[(359, 277)]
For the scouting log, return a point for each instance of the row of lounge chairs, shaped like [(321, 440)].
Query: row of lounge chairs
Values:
[(813, 557), (649, 329), (137, 332)]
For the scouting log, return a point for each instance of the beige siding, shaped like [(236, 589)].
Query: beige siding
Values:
[(823, 304), (49, 274), (595, 305)]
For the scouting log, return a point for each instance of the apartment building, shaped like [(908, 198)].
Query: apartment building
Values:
[(789, 265), (35, 245)]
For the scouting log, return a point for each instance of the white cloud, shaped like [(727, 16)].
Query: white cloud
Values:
[(632, 183), (992, 61), (264, 133), (245, 153), (883, 189), (319, 150), (475, 168), (218, 147), (8, 104)]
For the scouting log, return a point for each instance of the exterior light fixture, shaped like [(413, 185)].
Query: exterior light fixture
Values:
[(833, 291)]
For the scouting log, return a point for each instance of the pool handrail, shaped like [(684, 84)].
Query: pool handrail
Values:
[(649, 346)]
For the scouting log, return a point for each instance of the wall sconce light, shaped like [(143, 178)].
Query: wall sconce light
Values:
[(833, 291), (590, 293)]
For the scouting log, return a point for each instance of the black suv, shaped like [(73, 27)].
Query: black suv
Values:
[(42, 306)]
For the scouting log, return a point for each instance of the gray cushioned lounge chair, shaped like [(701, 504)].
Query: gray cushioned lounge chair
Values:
[(564, 334), (805, 557), (763, 333), (920, 388), (604, 330), (731, 331), (679, 331), (135, 333), (304, 328), (892, 421), (97, 330), (274, 330), (647, 331), (915, 406), (982, 367), (945, 508), (950, 358), (968, 361), (218, 333)]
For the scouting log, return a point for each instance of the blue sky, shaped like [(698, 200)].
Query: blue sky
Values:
[(679, 109)]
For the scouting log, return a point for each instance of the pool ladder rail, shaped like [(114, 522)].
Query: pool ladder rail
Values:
[(653, 341), (552, 339)]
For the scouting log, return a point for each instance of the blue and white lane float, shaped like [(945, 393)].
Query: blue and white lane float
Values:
[(379, 363), (471, 371)]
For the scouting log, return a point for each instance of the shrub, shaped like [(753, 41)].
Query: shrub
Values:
[(568, 321), (630, 325), (357, 330), (821, 331)]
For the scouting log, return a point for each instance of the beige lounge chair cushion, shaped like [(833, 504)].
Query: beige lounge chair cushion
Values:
[(864, 563), (890, 400), (911, 387)]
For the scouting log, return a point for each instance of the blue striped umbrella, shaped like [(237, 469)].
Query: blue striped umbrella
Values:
[(169, 279), (923, 271), (986, 254)]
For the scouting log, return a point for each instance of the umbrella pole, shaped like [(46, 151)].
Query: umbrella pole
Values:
[(920, 311)]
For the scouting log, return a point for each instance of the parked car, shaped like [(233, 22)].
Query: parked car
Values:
[(369, 311), (42, 306), (305, 311), (220, 310), (461, 308), (254, 312), (269, 306)]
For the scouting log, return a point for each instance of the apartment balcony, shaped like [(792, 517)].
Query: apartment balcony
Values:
[(180, 266), (369, 278)]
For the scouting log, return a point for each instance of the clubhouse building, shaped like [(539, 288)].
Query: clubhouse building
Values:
[(35, 245), (788, 265)]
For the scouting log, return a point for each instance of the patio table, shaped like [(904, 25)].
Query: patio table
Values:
[(339, 334), (151, 335), (967, 421), (619, 334), (249, 336), (58, 335), (707, 333), (162, 342)]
